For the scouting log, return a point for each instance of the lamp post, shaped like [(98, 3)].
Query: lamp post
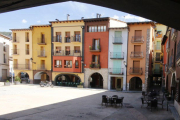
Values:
[(125, 64), (32, 60)]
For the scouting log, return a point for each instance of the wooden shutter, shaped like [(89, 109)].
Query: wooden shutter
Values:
[(137, 48), (99, 59), (138, 33)]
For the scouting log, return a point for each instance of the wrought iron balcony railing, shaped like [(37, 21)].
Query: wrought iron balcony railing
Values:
[(137, 39), (67, 39), (41, 67), (95, 65), (95, 48), (116, 71), (67, 53), (21, 67), (57, 39), (42, 53), (136, 55), (117, 55), (41, 41), (76, 39), (117, 40), (15, 51), (15, 40), (136, 70)]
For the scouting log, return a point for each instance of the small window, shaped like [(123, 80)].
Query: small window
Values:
[(104, 28), (68, 64), (99, 28), (76, 64), (58, 64)]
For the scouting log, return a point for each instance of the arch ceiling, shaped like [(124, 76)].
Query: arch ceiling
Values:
[(162, 11)]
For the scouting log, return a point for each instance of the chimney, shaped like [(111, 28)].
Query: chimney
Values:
[(68, 17), (82, 18), (97, 15)]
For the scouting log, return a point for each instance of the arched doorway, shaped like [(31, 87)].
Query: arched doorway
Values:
[(67, 80), (41, 76), (135, 84), (96, 80), (24, 76)]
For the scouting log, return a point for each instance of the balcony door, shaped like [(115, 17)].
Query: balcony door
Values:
[(42, 51), (137, 50), (27, 64), (42, 38), (67, 37), (96, 44), (67, 50), (118, 36), (77, 36), (58, 36), (136, 66), (138, 35), (42, 64), (117, 51), (157, 67), (116, 66), (158, 45)]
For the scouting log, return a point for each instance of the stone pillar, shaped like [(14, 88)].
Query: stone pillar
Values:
[(127, 86), (147, 60)]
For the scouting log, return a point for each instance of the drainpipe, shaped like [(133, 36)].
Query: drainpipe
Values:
[(52, 54), (127, 56)]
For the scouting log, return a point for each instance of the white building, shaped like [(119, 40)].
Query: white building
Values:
[(4, 57), (118, 38)]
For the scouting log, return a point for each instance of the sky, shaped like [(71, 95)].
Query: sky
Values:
[(43, 14)]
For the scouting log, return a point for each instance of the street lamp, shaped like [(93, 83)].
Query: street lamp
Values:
[(125, 64), (32, 60)]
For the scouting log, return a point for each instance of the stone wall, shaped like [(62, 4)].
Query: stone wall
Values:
[(88, 72)]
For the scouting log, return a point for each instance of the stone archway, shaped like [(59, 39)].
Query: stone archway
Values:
[(24, 76), (95, 80), (135, 83), (41, 76), (71, 80)]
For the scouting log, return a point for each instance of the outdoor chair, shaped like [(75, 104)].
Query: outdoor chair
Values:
[(104, 100), (161, 103), (154, 104), (143, 102), (114, 96), (119, 101)]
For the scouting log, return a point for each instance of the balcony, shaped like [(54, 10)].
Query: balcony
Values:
[(42, 53), (160, 35), (157, 71), (158, 59), (95, 48), (95, 65), (117, 40), (137, 39), (27, 51), (27, 40), (15, 51), (41, 67), (116, 55), (135, 71), (67, 53), (156, 47), (21, 67), (76, 39), (4, 48), (41, 41), (136, 55), (57, 39), (58, 66), (67, 39), (116, 71), (15, 40)]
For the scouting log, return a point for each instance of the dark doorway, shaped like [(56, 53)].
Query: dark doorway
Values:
[(96, 80), (135, 84)]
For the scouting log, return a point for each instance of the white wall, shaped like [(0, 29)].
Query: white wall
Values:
[(124, 49), (2, 64), (115, 23)]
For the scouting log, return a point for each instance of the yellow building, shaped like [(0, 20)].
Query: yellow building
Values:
[(67, 52), (41, 58), (22, 53), (157, 53)]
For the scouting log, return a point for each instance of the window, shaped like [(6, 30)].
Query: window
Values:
[(102, 28), (68, 64), (58, 49), (58, 64), (4, 58), (76, 49), (76, 64), (67, 50), (27, 49), (67, 38), (27, 37), (58, 36), (92, 29), (158, 56)]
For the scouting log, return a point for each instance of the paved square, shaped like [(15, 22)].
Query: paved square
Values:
[(32, 102)]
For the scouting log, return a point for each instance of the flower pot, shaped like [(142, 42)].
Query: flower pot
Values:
[(6, 83), (79, 86), (16, 82)]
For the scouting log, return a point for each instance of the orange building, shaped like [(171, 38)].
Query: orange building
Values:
[(141, 35)]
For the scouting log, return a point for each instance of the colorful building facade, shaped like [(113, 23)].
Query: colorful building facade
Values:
[(22, 53), (139, 51), (118, 37), (67, 52), (41, 57)]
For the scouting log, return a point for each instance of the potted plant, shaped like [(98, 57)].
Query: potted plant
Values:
[(90, 48), (90, 65), (98, 65), (98, 47), (7, 83), (17, 80), (80, 85)]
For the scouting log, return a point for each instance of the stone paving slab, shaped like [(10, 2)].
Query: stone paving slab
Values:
[(32, 102)]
